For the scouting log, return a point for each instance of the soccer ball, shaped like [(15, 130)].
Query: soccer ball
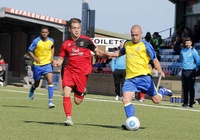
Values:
[(132, 123)]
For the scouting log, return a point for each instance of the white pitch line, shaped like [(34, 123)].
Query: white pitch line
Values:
[(155, 106), (111, 101)]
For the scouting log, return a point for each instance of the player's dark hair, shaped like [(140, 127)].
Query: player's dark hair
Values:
[(187, 39), (74, 20), (44, 27)]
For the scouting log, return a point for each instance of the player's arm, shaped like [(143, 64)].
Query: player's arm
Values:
[(33, 56), (58, 62), (52, 54), (114, 54), (31, 50), (158, 67), (99, 53), (152, 55)]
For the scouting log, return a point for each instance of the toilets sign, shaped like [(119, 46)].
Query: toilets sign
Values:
[(107, 41)]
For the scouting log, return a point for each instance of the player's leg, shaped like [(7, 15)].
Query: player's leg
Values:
[(47, 71), (36, 76), (79, 89), (185, 90), (67, 105), (67, 84), (141, 96), (49, 77), (128, 106), (157, 95), (127, 98), (116, 77), (191, 82), (129, 88)]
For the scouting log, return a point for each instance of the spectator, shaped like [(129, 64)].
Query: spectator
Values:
[(158, 55), (29, 76), (101, 63), (190, 61), (2, 61), (156, 41), (148, 37), (196, 34), (177, 45), (118, 66), (2, 76), (28, 61)]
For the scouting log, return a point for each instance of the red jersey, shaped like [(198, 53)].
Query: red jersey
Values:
[(78, 54)]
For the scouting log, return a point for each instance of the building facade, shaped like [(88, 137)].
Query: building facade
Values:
[(18, 28)]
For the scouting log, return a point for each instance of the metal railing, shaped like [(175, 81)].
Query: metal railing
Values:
[(167, 30)]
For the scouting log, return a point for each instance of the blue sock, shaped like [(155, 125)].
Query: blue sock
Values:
[(50, 101), (50, 91), (129, 110), (161, 92)]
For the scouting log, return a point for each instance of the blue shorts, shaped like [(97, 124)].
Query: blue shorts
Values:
[(142, 84), (39, 71)]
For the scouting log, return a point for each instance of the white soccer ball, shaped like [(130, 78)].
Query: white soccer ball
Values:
[(132, 123)]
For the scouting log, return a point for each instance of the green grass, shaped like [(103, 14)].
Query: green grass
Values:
[(97, 118)]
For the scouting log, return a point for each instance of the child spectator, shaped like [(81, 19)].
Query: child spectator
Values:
[(29, 76), (2, 61)]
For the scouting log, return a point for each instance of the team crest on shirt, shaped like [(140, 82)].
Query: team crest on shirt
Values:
[(138, 48), (69, 44), (81, 43)]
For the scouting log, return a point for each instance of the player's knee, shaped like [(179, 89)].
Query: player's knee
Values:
[(77, 101), (156, 100), (36, 85), (126, 100)]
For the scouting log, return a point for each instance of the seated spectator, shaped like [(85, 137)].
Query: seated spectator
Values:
[(29, 76), (2, 61), (2, 76), (158, 55), (101, 63)]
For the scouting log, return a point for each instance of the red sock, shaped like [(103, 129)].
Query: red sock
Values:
[(142, 95), (67, 104)]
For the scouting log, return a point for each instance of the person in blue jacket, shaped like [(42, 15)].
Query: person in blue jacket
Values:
[(190, 61), (118, 66)]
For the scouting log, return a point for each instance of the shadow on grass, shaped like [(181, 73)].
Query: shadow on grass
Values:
[(62, 124), (20, 106), (107, 126), (48, 123)]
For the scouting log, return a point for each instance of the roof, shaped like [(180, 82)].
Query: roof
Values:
[(112, 34), (11, 16)]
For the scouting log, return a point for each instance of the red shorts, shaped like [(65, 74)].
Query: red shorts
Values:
[(76, 81)]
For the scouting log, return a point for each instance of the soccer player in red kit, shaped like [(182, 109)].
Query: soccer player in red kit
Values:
[(77, 49)]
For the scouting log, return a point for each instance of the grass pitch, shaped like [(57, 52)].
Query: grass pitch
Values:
[(96, 118)]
